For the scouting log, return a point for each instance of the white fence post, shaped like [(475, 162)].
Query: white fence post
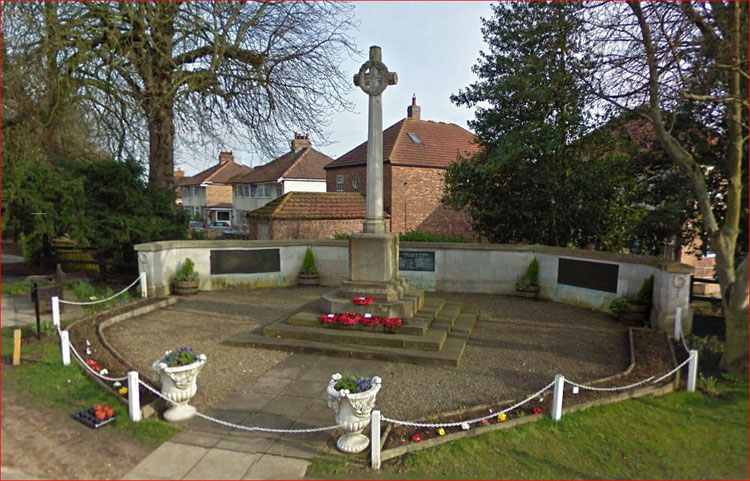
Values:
[(56, 311), (677, 323), (144, 288), (557, 398), (692, 370), (65, 346), (134, 401), (375, 439)]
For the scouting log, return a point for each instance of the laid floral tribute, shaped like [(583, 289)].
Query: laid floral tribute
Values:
[(354, 384), (353, 318), (363, 301)]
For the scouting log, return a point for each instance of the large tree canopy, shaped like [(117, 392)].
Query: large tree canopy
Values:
[(663, 55), (148, 71), (531, 182)]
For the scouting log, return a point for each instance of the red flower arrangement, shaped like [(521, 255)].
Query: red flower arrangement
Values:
[(329, 318), (93, 365), (537, 410), (349, 319), (363, 301), (352, 318), (393, 322), (416, 438)]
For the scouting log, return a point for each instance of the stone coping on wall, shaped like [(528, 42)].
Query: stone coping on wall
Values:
[(662, 264)]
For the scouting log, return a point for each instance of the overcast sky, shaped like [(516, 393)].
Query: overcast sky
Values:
[(430, 45)]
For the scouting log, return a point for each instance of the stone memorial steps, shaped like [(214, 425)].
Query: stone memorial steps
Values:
[(449, 355), (437, 334)]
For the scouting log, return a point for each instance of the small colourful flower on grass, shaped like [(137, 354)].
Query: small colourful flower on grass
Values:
[(537, 410), (502, 417), (416, 438), (441, 432), (122, 391), (485, 421)]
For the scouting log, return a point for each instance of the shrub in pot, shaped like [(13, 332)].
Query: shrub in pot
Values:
[(177, 372), (528, 284), (352, 399), (186, 279), (308, 276)]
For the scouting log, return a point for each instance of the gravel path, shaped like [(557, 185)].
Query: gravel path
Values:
[(516, 348)]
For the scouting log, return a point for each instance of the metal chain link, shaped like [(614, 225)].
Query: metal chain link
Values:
[(616, 388), (240, 426), (679, 366), (470, 421), (83, 363), (101, 300)]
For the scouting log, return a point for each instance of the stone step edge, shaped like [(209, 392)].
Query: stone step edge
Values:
[(446, 357), (431, 341)]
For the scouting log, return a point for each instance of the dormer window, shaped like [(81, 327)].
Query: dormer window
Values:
[(414, 138)]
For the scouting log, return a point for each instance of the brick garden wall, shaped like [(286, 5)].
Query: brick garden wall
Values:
[(314, 229)]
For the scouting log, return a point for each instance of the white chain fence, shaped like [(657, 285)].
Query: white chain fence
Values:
[(101, 300), (470, 421), (93, 371), (240, 426)]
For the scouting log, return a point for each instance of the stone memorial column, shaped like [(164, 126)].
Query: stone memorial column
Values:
[(373, 78), (373, 253)]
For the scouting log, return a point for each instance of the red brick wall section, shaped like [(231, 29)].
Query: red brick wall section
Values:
[(314, 228), (416, 203), (421, 193)]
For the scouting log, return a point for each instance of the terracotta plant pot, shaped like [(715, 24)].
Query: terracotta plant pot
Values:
[(530, 292), (308, 279), (185, 287)]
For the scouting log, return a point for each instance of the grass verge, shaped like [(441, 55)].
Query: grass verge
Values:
[(43, 379), (678, 436)]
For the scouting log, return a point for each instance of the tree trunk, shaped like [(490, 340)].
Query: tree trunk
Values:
[(736, 313), (161, 147)]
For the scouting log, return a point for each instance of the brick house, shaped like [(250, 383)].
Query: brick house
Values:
[(308, 215), (416, 154), (208, 193), (299, 170)]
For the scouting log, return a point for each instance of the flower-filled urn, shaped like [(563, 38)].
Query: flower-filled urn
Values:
[(352, 399), (177, 372)]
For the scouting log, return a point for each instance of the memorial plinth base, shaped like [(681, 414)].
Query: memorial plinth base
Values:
[(373, 272)]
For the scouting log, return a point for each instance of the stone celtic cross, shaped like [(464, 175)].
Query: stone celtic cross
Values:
[(373, 77)]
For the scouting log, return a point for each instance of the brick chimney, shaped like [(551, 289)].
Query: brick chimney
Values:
[(225, 157), (300, 142), (178, 174), (413, 111)]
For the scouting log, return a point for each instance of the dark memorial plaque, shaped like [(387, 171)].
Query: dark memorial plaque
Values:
[(416, 261), (245, 261), (599, 276)]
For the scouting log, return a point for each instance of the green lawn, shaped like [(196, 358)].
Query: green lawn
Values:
[(678, 436), (43, 379)]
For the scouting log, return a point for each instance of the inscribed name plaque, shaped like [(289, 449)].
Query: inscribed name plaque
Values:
[(416, 261), (245, 261), (599, 276)]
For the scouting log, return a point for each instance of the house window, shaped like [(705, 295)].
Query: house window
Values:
[(339, 183), (279, 190), (415, 139), (223, 215), (253, 190), (355, 181)]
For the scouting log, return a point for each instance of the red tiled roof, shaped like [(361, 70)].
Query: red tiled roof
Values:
[(305, 163), (313, 205), (219, 173), (441, 145)]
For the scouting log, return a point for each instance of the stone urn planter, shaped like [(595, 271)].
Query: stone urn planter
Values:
[(178, 384), (352, 413)]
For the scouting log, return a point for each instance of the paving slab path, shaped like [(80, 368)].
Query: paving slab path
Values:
[(289, 396)]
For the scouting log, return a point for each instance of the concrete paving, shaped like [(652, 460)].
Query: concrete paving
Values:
[(289, 396)]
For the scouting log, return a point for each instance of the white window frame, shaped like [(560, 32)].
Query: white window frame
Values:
[(340, 183), (355, 181)]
